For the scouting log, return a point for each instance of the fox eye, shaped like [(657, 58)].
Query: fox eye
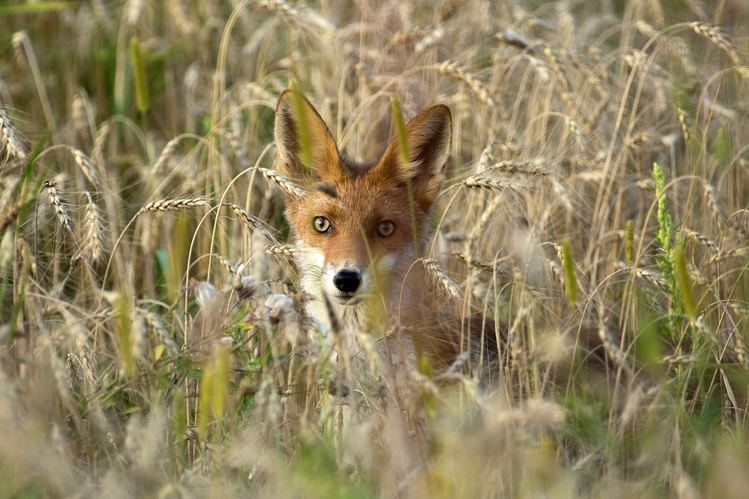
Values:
[(385, 228), (321, 225)]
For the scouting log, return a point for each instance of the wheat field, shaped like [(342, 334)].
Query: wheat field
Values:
[(154, 342)]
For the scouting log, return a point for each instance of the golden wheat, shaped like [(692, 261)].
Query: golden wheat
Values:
[(93, 232), (165, 377), (9, 139), (173, 204), (441, 276), (59, 205), (283, 183)]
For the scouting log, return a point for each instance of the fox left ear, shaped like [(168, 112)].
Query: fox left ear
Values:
[(306, 149), (428, 136)]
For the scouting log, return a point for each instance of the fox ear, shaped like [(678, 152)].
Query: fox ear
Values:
[(306, 149), (428, 136)]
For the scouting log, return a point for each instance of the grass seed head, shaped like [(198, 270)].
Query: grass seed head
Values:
[(93, 232), (84, 164), (441, 276), (486, 181), (173, 204), (10, 143), (454, 70), (164, 157), (59, 205), (251, 221), (286, 185)]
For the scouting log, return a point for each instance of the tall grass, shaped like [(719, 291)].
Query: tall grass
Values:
[(153, 340)]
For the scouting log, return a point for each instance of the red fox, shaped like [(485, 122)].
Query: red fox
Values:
[(360, 231)]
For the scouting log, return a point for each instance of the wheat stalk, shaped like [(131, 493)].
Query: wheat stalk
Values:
[(487, 155), (684, 122), (79, 116), (700, 326), (557, 270), (102, 134), (84, 352), (639, 60), (410, 35), (240, 151), (697, 276), (9, 216), (431, 38), (646, 275), (701, 238), (230, 266), (677, 359), (156, 326), (479, 264), (59, 205), (84, 164), (9, 141), (515, 39), (712, 201), (742, 231), (612, 349), (132, 12), (93, 232), (575, 129), (453, 70), (251, 221), (539, 67), (646, 29), (739, 308), (282, 250), (447, 10), (166, 153), (172, 204), (183, 22), (743, 71), (18, 49), (638, 140), (486, 217), (716, 37), (553, 57), (257, 91), (448, 285), (283, 183), (298, 17), (523, 167), (742, 311), (484, 181), (731, 253)]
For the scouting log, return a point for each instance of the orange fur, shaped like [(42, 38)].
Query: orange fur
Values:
[(356, 198)]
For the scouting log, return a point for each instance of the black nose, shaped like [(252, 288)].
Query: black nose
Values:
[(347, 281)]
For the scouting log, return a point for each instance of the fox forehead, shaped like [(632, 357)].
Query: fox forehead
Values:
[(358, 205)]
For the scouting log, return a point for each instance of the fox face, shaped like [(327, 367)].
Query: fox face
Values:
[(353, 241), (361, 225)]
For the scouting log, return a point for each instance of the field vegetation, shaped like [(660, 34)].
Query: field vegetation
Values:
[(154, 342)]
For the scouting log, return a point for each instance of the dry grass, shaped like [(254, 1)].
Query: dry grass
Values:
[(171, 354)]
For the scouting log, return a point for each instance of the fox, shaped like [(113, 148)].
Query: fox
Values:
[(360, 232)]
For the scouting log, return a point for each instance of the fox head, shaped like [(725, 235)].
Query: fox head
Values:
[(360, 227)]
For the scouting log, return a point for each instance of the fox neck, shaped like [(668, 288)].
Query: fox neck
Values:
[(377, 320)]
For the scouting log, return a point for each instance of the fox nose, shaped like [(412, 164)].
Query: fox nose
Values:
[(347, 281)]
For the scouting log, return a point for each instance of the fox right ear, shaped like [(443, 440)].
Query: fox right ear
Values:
[(428, 138), (306, 149)]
